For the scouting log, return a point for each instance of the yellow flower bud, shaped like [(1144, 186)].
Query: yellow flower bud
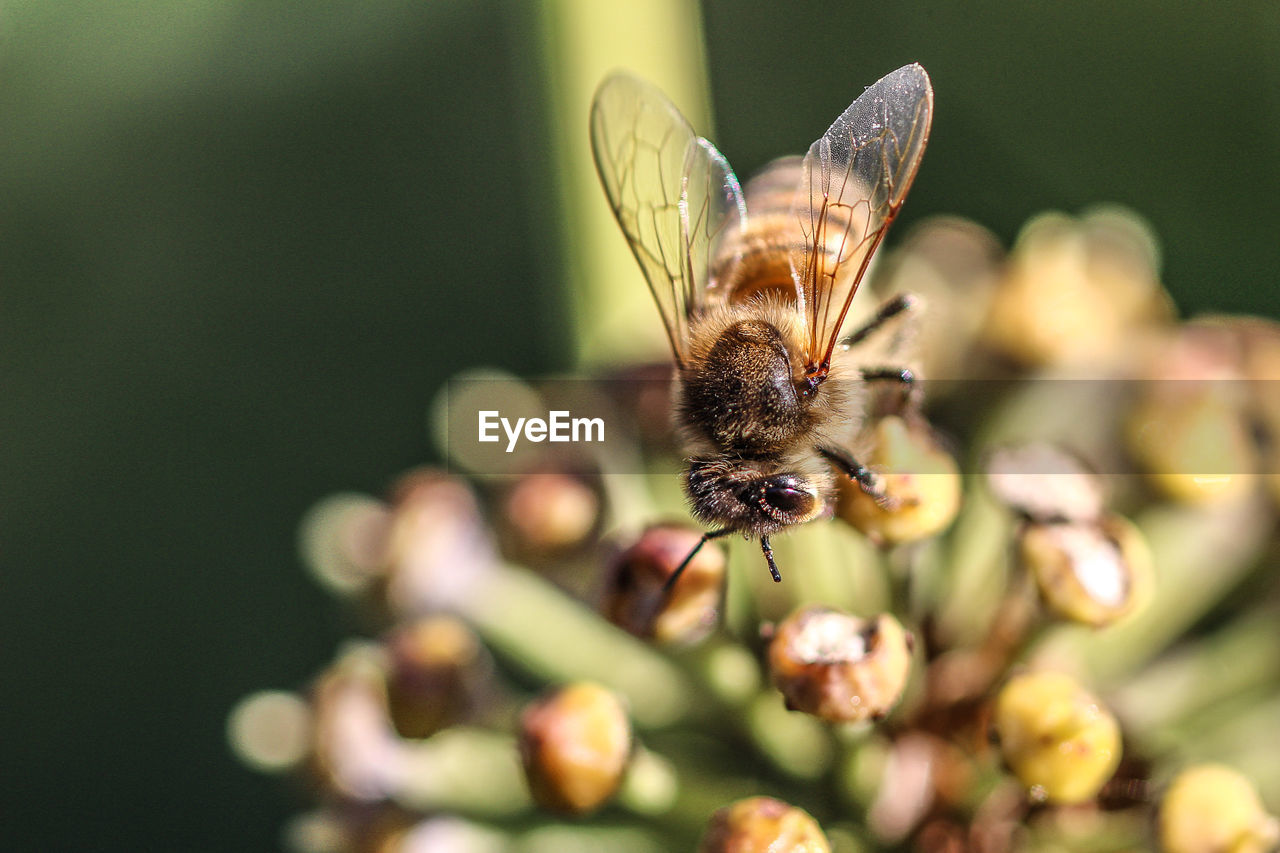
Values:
[(1194, 444), (1210, 808), (1075, 290), (1056, 737), (920, 481)]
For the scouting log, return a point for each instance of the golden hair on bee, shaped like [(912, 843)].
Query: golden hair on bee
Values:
[(754, 288)]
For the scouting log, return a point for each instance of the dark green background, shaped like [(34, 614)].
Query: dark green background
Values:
[(241, 244)]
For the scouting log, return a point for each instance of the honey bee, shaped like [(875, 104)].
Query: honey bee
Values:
[(754, 286)]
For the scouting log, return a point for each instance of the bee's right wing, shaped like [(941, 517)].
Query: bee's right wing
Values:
[(673, 194), (853, 183)]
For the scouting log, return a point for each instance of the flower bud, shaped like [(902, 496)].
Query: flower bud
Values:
[(762, 825), (436, 668), (270, 730), (838, 667), (1088, 572), (1044, 482), (1194, 444), (438, 546), (1076, 290), (574, 745), (920, 482), (1211, 808), (1056, 737), (636, 598), (548, 514)]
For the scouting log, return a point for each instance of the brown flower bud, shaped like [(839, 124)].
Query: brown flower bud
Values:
[(1056, 737), (920, 482), (1211, 808), (436, 669), (1089, 572), (762, 825), (574, 745), (838, 667), (637, 601)]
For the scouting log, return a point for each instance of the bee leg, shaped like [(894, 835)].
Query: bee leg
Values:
[(859, 473), (902, 376), (706, 537), (768, 556), (888, 374), (887, 311)]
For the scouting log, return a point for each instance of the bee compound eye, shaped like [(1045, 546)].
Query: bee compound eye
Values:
[(789, 497)]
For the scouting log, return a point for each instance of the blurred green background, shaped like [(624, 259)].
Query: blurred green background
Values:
[(242, 243)]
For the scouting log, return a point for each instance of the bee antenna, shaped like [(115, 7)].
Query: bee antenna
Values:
[(706, 537)]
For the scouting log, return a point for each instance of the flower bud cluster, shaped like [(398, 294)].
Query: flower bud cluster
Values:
[(540, 678)]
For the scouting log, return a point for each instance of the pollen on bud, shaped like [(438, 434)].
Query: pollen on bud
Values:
[(1210, 808), (1056, 737), (920, 482), (1093, 572), (637, 601), (436, 669), (838, 667), (574, 744), (762, 825)]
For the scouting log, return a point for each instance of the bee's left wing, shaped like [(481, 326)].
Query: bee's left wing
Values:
[(853, 182), (672, 192)]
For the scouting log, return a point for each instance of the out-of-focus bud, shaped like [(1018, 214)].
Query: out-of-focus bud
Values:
[(439, 545), (1045, 483), (1190, 428), (1210, 808), (920, 481), (1075, 290), (762, 825), (1089, 572), (908, 786), (437, 669), (1194, 444), (270, 730), (635, 598), (356, 753), (574, 745), (1260, 340), (838, 667), (1056, 737), (343, 542), (548, 514), (951, 265)]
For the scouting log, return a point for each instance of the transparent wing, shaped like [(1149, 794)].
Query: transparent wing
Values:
[(672, 192), (852, 184)]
